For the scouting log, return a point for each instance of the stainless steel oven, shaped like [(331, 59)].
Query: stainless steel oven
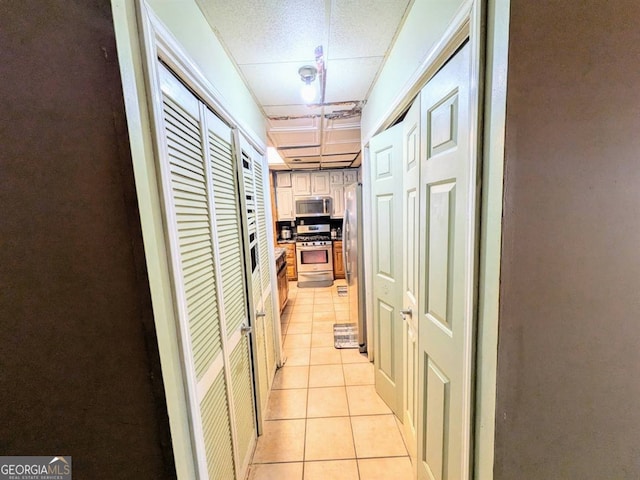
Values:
[(314, 252)]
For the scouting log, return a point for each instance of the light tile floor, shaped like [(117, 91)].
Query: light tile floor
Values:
[(325, 420)]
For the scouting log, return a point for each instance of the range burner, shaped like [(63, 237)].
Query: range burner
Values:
[(314, 235)]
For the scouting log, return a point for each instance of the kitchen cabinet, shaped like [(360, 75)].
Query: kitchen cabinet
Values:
[(310, 183), (292, 270), (337, 196), (285, 204), (283, 179), (338, 264), (320, 183), (336, 177), (350, 176), (291, 185), (301, 183)]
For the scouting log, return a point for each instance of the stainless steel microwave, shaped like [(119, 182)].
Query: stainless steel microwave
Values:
[(313, 207)]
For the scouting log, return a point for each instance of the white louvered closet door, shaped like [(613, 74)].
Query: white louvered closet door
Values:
[(204, 229), (254, 180)]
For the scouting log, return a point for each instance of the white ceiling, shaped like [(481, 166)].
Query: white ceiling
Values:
[(269, 40)]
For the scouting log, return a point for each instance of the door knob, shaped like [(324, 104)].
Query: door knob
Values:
[(245, 329), (406, 312), (261, 314)]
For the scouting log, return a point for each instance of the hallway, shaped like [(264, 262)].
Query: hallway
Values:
[(324, 419)]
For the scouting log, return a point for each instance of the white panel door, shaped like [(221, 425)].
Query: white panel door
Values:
[(448, 244), (410, 251), (386, 197)]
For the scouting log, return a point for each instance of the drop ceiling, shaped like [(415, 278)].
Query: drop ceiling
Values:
[(269, 40)]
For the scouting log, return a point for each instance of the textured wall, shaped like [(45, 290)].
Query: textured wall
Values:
[(569, 333), (78, 360)]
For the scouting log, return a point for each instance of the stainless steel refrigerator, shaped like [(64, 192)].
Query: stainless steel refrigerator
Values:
[(352, 242)]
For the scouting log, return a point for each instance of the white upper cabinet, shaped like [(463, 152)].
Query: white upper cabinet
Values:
[(320, 183), (337, 196), (283, 179), (335, 177), (350, 176), (301, 183), (284, 204)]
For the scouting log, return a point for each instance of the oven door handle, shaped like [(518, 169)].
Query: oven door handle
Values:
[(307, 249), (315, 273)]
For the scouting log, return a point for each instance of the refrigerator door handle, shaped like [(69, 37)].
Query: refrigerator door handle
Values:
[(345, 244)]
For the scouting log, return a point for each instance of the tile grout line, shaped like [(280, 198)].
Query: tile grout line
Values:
[(306, 411), (353, 436), (343, 386)]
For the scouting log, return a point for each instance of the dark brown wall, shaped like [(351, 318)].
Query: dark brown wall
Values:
[(569, 332), (79, 368)]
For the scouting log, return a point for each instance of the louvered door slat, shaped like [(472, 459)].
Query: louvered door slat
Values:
[(184, 185), (190, 205), (261, 225), (242, 396), (217, 431), (228, 228), (269, 339)]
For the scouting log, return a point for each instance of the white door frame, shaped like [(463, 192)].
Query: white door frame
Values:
[(468, 23)]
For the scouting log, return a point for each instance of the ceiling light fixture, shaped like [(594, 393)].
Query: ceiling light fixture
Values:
[(308, 75)]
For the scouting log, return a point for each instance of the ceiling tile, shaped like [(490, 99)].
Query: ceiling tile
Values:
[(296, 160), (274, 83), (363, 28), (279, 166), (350, 79), (266, 31), (331, 148), (299, 152), (341, 136), (290, 138), (294, 124), (336, 164), (342, 123), (292, 110), (339, 157), (304, 166)]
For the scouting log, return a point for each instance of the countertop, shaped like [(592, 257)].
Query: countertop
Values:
[(280, 252)]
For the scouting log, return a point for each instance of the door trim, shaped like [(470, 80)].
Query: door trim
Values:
[(495, 59), (460, 28)]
